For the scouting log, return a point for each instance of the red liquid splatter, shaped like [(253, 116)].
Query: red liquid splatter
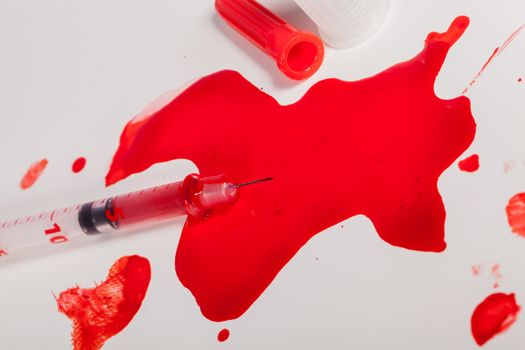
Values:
[(78, 165), (33, 173), (374, 147), (496, 275), (223, 335), (509, 165), (495, 272), (469, 164), (100, 313), (493, 316), (516, 214), (495, 54)]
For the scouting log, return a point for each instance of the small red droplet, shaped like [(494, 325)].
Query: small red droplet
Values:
[(223, 335), (469, 164), (520, 80), (476, 270), (33, 173), (78, 165)]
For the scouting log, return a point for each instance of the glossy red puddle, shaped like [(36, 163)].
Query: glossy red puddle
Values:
[(469, 164), (516, 214), (33, 173), (78, 165), (101, 312), (374, 147), (494, 315), (223, 335)]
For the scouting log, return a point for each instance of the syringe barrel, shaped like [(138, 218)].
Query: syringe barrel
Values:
[(133, 209), (23, 236), (196, 196)]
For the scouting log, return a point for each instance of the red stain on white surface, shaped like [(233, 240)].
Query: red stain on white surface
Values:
[(223, 335), (496, 275), (101, 312), (498, 51), (508, 165), (33, 174), (469, 164), (78, 165), (493, 316), (516, 214)]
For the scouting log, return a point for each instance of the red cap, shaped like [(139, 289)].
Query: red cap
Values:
[(298, 53)]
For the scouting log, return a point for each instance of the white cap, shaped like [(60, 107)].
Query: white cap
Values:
[(346, 23)]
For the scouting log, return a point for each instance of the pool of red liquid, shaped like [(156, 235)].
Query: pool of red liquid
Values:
[(374, 147)]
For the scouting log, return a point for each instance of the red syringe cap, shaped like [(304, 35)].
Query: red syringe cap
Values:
[(298, 54)]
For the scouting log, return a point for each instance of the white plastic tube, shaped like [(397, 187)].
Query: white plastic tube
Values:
[(346, 23)]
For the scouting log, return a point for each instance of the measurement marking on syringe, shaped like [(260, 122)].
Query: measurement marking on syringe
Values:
[(56, 239), (54, 229)]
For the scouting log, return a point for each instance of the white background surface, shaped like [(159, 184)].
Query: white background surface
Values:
[(73, 73)]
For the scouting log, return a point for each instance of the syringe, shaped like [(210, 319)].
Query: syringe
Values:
[(195, 196)]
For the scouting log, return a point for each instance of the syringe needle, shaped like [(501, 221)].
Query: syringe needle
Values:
[(194, 196), (252, 182)]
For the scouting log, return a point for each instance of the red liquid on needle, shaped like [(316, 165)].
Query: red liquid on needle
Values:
[(374, 147)]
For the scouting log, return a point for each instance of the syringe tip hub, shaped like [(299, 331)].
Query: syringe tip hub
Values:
[(203, 194)]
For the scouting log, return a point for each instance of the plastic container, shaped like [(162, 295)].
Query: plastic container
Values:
[(298, 53), (346, 23)]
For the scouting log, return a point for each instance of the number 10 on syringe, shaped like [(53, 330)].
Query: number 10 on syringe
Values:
[(194, 196)]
